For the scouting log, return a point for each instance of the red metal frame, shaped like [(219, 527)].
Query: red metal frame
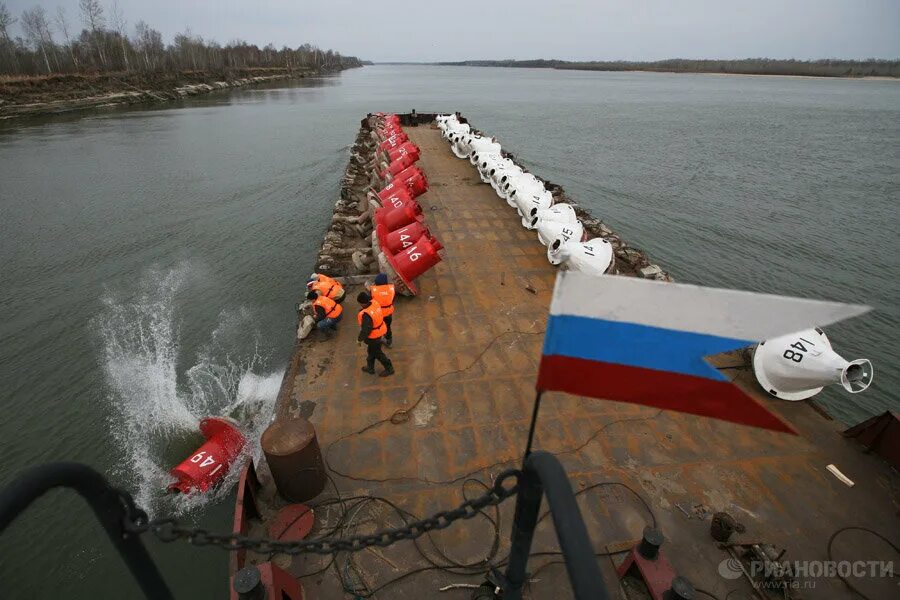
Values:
[(657, 574)]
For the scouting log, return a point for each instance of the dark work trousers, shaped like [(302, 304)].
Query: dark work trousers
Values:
[(374, 352), (387, 321)]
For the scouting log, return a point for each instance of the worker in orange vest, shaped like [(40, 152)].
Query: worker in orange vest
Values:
[(383, 293), (326, 311), (326, 286), (372, 330)]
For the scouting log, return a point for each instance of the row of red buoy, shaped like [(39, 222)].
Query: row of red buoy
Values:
[(408, 246)]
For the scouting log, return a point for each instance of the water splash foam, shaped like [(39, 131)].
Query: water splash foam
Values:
[(155, 417)]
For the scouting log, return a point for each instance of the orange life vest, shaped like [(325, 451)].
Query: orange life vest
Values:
[(379, 328), (332, 309), (326, 286), (384, 295), (326, 279)]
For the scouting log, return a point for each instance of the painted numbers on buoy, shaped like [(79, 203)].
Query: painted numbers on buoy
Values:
[(200, 471), (209, 460), (798, 351)]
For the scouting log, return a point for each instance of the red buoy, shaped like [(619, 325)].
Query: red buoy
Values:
[(395, 218), (388, 129), (417, 184), (210, 462), (394, 140), (406, 148), (415, 260), (390, 122), (392, 193), (393, 242), (398, 165), (408, 173)]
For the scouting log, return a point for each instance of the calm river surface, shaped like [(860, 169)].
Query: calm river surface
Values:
[(151, 257)]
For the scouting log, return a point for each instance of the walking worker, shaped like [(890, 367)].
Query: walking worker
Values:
[(326, 311), (372, 330), (326, 286), (383, 293)]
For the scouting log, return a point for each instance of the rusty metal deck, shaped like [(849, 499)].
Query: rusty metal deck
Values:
[(466, 352)]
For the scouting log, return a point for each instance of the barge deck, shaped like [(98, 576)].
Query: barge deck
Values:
[(466, 352)]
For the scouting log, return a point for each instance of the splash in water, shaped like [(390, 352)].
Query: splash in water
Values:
[(155, 418)]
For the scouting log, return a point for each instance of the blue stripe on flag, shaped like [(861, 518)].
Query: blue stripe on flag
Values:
[(636, 345)]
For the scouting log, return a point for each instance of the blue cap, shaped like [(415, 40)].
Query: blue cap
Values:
[(380, 279)]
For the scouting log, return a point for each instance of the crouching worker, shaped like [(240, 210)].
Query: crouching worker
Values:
[(383, 293), (326, 286), (326, 311), (372, 330)]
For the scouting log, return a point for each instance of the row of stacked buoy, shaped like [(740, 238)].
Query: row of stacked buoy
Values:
[(556, 223), (790, 367), (407, 247)]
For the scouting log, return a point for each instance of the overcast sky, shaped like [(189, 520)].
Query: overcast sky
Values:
[(400, 30)]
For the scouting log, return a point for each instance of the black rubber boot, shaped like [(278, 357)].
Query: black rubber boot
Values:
[(369, 370), (387, 372)]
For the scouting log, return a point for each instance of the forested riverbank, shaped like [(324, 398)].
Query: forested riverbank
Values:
[(48, 64), (59, 93), (750, 66)]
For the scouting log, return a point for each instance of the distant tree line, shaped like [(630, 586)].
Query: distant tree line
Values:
[(749, 66), (98, 39)]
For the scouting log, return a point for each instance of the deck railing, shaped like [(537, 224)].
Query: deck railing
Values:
[(542, 474), (109, 504)]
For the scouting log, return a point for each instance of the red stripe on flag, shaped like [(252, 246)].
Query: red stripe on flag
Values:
[(661, 389)]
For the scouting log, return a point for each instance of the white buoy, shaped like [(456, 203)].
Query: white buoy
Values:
[(445, 121), (459, 144), (558, 213), (500, 179), (548, 231), (538, 198), (797, 366), (521, 185), (482, 146), (487, 166), (465, 143), (594, 257), (455, 131)]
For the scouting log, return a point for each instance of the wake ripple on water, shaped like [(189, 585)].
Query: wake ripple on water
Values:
[(155, 418)]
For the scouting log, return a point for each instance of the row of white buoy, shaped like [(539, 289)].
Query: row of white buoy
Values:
[(792, 367), (556, 223)]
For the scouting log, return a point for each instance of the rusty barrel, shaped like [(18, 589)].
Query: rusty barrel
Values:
[(292, 451)]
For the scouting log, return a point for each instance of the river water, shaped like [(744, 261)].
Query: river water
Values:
[(151, 257)]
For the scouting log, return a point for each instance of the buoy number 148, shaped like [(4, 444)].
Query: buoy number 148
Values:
[(797, 350)]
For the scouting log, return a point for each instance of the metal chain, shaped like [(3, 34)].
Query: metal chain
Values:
[(136, 521)]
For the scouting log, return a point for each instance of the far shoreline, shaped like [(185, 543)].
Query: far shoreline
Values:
[(874, 69), (820, 77), (651, 72)]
